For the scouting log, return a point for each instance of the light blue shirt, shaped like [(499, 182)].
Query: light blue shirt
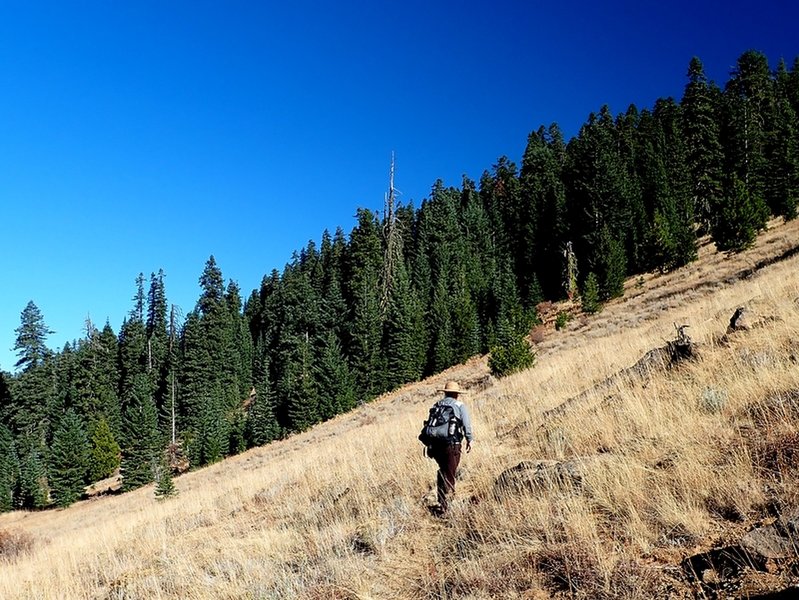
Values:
[(462, 413)]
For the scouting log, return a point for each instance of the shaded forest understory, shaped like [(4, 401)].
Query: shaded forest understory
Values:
[(406, 294)]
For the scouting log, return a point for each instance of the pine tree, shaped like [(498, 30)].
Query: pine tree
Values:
[(32, 491), (782, 151), (363, 298), (31, 336), (9, 469), (704, 156), (262, 426), (611, 264), (749, 102), (590, 297), (212, 437), (104, 453), (542, 186), (511, 353), (69, 460), (403, 342), (140, 442), (739, 219), (164, 484), (336, 383)]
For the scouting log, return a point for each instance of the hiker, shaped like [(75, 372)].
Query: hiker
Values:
[(445, 448)]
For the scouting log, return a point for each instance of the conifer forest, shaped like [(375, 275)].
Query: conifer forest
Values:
[(405, 294)]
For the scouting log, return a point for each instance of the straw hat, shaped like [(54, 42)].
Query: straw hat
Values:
[(452, 387)]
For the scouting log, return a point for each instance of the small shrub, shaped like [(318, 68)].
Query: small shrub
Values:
[(515, 355), (562, 319), (713, 400), (13, 543), (590, 298), (164, 485)]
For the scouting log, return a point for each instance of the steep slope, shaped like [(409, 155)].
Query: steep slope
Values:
[(624, 494)]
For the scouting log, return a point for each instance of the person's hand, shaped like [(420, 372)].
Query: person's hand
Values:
[(468, 446)]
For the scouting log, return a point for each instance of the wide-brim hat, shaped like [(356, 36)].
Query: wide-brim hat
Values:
[(452, 387)]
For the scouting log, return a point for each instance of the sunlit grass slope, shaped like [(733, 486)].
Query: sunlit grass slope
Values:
[(669, 465)]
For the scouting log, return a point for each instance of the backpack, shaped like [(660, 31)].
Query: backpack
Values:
[(441, 427)]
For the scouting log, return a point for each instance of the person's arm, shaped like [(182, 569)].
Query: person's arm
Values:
[(466, 421)]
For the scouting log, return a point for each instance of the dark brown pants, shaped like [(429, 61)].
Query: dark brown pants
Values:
[(448, 458)]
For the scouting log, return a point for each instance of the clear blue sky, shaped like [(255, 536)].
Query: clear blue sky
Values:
[(143, 135)]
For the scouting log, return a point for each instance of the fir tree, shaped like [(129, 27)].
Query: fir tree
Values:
[(140, 443), (31, 336), (9, 469), (69, 460), (511, 353), (749, 103), (262, 426), (363, 261), (32, 491), (336, 384), (590, 297), (104, 453), (164, 484), (740, 217), (782, 151), (704, 156)]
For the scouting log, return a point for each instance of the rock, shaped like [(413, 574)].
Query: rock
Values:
[(766, 542), (540, 475), (740, 320)]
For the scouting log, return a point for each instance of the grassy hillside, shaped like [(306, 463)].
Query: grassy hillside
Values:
[(616, 493)]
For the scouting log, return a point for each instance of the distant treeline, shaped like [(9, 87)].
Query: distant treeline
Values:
[(406, 294)]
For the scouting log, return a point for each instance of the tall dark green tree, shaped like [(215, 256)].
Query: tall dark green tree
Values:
[(749, 103), (362, 277), (701, 107), (140, 441), (741, 215), (104, 451), (31, 337), (32, 490), (543, 188), (69, 460), (782, 150), (262, 426), (9, 469), (336, 383)]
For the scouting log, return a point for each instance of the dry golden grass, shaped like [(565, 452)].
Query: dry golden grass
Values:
[(669, 465)]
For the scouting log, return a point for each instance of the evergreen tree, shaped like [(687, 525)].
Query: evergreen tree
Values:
[(741, 216), (132, 360), (362, 292), (9, 469), (749, 103), (140, 442), (93, 377), (164, 484), (511, 353), (782, 151), (31, 335), (212, 439), (336, 384), (611, 265), (600, 194), (590, 297), (69, 460), (262, 426), (32, 490), (542, 184), (704, 156), (105, 452)]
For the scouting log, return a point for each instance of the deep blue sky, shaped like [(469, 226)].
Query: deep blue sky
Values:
[(143, 135)]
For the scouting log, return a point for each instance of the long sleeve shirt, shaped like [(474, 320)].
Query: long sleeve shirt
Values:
[(462, 413)]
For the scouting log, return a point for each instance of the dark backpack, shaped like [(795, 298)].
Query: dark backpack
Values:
[(441, 427)]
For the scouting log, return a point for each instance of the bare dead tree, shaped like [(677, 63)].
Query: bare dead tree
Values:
[(392, 242)]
